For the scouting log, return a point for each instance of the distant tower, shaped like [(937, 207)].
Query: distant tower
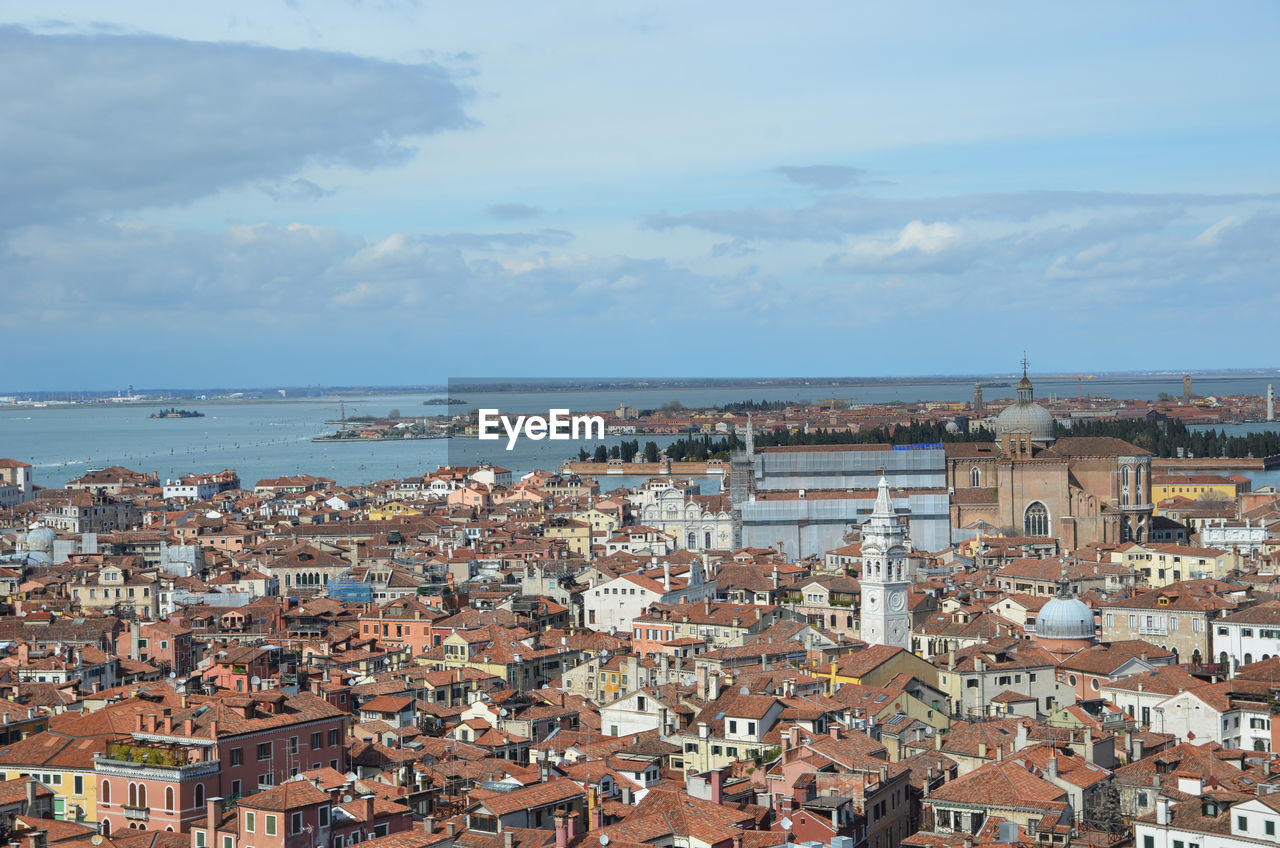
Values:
[(131, 390), (885, 617), (977, 398), (1186, 388), (1271, 403), (751, 438)]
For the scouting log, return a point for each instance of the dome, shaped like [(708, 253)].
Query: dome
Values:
[(1065, 618), (41, 539), (1027, 416)]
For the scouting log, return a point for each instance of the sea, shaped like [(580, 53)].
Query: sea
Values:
[(273, 437)]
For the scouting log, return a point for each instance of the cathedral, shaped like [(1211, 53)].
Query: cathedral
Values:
[(1082, 491)]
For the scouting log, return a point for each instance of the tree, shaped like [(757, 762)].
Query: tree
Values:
[(393, 414), (601, 455), (650, 451), (1103, 813)]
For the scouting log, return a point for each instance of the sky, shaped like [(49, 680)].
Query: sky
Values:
[(286, 193)]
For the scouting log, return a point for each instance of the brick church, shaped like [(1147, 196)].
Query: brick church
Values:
[(1081, 490)]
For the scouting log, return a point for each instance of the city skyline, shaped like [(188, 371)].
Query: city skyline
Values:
[(385, 193)]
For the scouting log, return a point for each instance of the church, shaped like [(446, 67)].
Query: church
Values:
[(1082, 491)]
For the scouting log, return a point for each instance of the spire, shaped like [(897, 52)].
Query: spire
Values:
[(1025, 393), (751, 438), (884, 503)]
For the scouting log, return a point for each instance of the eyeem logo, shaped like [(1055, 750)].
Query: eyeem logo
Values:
[(559, 425)]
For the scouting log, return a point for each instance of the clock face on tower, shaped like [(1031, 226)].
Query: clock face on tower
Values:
[(873, 601), (897, 601)]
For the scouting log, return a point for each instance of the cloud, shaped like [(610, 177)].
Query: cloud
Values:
[(834, 217), (296, 189), (514, 211), (104, 123), (822, 176), (917, 247)]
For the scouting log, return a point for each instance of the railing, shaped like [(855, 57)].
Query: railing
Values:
[(136, 813)]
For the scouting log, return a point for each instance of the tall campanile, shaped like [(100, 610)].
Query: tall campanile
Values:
[(885, 617)]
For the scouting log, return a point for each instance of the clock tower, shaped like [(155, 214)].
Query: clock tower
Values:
[(885, 618)]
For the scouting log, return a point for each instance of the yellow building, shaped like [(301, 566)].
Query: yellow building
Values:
[(62, 763), (1208, 487), (876, 665), (1162, 564), (576, 533), (394, 509)]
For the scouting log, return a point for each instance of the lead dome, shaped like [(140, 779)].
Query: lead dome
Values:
[(1065, 618), (1024, 415)]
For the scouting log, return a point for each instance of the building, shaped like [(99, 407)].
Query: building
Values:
[(1162, 564), (1176, 617), (1081, 491), (1247, 635), (810, 497), (885, 617), (16, 484)]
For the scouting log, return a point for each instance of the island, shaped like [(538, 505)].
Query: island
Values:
[(171, 412)]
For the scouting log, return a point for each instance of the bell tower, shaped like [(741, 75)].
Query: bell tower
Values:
[(885, 617)]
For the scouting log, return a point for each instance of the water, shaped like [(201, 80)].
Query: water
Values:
[(270, 438)]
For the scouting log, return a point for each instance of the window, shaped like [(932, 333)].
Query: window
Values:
[(316, 741), (199, 794), (1270, 827), (333, 737), (733, 726), (1148, 842), (1242, 822), (271, 825), (295, 823), (264, 750), (235, 787), (324, 816), (200, 839), (293, 744), (228, 842), (249, 822), (380, 829), (1035, 521), (78, 785), (168, 798), (105, 792)]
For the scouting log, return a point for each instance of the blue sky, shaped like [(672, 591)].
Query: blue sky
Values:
[(392, 192)]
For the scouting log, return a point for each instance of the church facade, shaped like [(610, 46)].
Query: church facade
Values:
[(1081, 491)]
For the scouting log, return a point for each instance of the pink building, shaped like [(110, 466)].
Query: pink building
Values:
[(229, 745)]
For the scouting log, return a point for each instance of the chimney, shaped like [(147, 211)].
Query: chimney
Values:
[(1162, 811), (38, 839), (626, 795), (597, 811), (794, 735), (562, 828), (368, 808), (702, 682), (431, 824), (448, 829), (508, 839), (1051, 770), (213, 815), (717, 787), (834, 731), (713, 686), (982, 750), (31, 796)]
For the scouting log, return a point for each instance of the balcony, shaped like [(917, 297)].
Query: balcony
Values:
[(136, 813)]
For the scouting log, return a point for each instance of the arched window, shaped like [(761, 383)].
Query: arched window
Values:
[(142, 794), (168, 798), (133, 794), (1137, 486), (1036, 520), (1248, 658), (693, 541), (199, 795), (707, 539), (105, 793), (1124, 485), (975, 477), (106, 825)]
